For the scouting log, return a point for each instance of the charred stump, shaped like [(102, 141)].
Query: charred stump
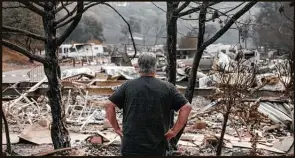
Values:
[(8, 144)]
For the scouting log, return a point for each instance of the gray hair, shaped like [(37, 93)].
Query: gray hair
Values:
[(147, 63)]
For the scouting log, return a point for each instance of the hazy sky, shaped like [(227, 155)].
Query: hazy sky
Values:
[(147, 12)]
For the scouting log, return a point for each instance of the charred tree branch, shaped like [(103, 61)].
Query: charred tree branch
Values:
[(73, 25), (129, 28), (196, 9), (33, 8), (228, 24), (63, 6), (14, 7), (26, 33), (230, 9), (183, 6), (91, 5), (23, 51), (223, 13), (79, 13), (40, 4), (66, 16)]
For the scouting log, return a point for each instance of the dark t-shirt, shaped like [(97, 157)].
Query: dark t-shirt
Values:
[(146, 103)]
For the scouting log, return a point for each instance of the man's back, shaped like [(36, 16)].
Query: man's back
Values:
[(146, 103)]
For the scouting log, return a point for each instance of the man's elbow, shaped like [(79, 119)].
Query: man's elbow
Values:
[(187, 107), (109, 105), (109, 108)]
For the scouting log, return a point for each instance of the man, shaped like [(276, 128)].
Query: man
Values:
[(147, 102)]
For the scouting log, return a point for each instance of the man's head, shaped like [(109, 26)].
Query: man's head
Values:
[(147, 63)]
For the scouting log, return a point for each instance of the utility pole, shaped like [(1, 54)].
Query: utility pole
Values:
[(144, 41)]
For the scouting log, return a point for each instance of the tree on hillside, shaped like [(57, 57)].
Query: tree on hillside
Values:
[(22, 19), (158, 29), (135, 26), (271, 27), (87, 29)]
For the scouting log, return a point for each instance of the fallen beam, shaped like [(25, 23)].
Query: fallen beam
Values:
[(109, 83), (32, 89), (13, 92), (105, 88)]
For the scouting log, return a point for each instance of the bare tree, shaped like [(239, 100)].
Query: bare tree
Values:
[(173, 12), (129, 28), (176, 11), (231, 87), (287, 69), (202, 45), (134, 26), (273, 20), (158, 29), (48, 12)]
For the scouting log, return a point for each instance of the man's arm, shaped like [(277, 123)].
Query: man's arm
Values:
[(116, 99), (181, 121), (111, 116)]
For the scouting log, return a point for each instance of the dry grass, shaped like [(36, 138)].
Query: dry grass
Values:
[(12, 60)]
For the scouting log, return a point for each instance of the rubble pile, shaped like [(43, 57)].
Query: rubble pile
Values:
[(86, 90)]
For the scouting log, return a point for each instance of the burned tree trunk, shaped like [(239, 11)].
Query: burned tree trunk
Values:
[(48, 11), (225, 119), (171, 67), (171, 24), (195, 63), (59, 133), (189, 93)]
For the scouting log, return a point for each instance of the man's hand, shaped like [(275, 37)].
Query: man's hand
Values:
[(111, 116), (119, 132), (181, 121), (170, 134)]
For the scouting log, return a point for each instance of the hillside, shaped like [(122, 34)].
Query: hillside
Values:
[(12, 60), (147, 12)]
